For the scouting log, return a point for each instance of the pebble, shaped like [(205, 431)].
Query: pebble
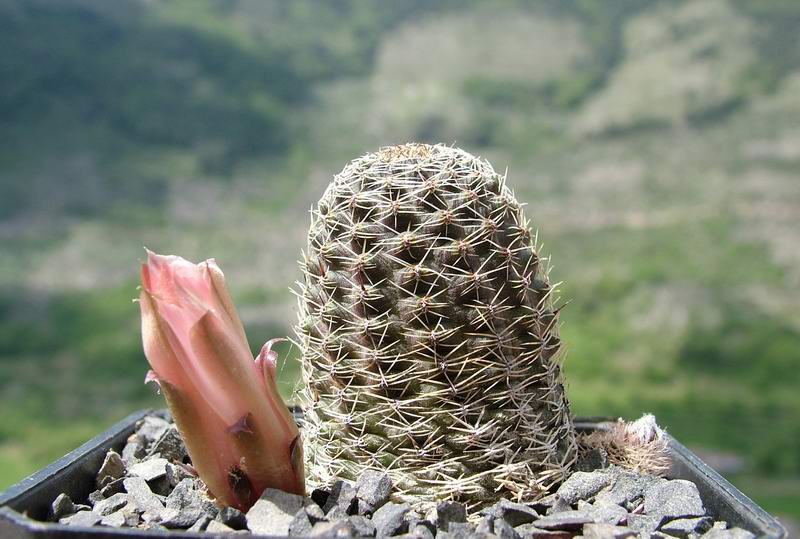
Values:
[(362, 526), (109, 505), (61, 507), (607, 531), (625, 488), (583, 486), (180, 518), (374, 488), (169, 445), (149, 469), (201, 524), (175, 474), (215, 526), (512, 512), (320, 496), (673, 499), (232, 517), (731, 533), (343, 497), (389, 519), (81, 518), (504, 530), (134, 449), (273, 512), (607, 513), (113, 467), (300, 526), (529, 531), (644, 523), (449, 512), (113, 487), (125, 517), (683, 527), (565, 520), (141, 495), (422, 528), (151, 428), (331, 529)]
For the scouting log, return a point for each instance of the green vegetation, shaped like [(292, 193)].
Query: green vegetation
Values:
[(655, 142)]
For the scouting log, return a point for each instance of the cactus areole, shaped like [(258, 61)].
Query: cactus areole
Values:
[(429, 337)]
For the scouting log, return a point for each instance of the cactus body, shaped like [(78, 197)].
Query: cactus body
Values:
[(430, 343)]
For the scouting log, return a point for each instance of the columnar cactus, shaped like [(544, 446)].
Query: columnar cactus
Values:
[(429, 337)]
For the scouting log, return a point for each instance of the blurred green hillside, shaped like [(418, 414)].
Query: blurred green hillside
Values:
[(656, 143)]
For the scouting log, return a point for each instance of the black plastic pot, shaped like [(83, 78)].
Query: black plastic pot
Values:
[(24, 506)]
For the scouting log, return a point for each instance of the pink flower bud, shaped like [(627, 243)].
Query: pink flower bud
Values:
[(238, 432)]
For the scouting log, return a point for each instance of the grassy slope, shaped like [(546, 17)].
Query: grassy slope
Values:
[(201, 131)]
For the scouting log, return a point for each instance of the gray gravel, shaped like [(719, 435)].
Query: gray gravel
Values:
[(147, 486)]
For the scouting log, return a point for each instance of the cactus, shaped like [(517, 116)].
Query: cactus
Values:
[(429, 336)]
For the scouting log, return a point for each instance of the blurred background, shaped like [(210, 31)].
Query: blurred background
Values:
[(656, 144)]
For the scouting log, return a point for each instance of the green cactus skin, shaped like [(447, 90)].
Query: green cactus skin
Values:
[(429, 338)]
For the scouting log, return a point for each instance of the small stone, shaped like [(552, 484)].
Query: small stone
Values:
[(183, 495), (61, 507), (607, 513), (151, 428), (447, 512), (389, 519), (529, 531), (320, 496), (152, 525), (591, 460), (564, 520), (81, 518), (343, 496), (332, 529), (513, 513), (583, 486), (169, 445), (209, 508), (114, 520), (644, 523), (374, 487), (559, 507), (109, 505), (683, 527), (457, 530), (315, 513), (607, 531), (363, 527), (134, 449), (176, 473), (300, 526), (200, 525), (113, 487), (232, 517), (181, 518), (504, 530), (95, 496), (112, 468), (273, 512), (215, 526), (730, 533), (719, 525), (149, 469), (673, 499), (422, 528), (625, 487), (141, 495)]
